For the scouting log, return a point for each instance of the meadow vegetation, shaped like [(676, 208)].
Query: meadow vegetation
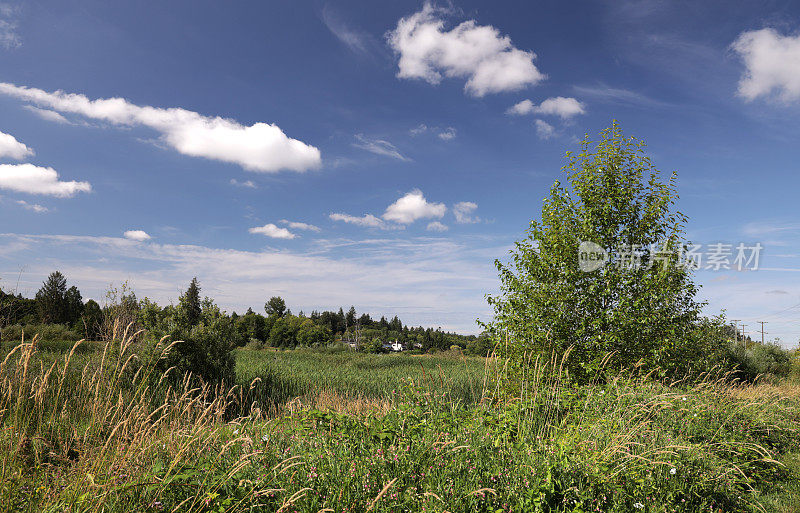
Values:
[(595, 392)]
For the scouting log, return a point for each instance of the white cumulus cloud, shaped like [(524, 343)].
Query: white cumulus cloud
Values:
[(436, 226), (300, 226), (772, 64), (10, 147), (413, 206), (479, 53), (137, 235), (260, 147), (463, 212), (544, 129), (557, 106), (32, 179), (270, 230)]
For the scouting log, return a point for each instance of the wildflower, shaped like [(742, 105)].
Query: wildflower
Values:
[(638, 505), (265, 438), (236, 431), (672, 471)]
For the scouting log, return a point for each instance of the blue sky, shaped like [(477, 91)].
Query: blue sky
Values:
[(351, 153)]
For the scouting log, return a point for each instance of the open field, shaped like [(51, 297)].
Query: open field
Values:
[(351, 376), (93, 438)]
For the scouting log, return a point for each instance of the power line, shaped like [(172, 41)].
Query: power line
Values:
[(735, 330), (762, 331)]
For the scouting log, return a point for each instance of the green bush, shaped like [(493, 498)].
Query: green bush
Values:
[(48, 332), (765, 360)]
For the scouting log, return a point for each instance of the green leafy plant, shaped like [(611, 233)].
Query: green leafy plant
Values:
[(548, 305)]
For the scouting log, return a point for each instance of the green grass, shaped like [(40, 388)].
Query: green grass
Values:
[(80, 440), (284, 375)]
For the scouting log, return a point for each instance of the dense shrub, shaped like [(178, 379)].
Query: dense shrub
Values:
[(49, 332), (765, 360), (203, 337)]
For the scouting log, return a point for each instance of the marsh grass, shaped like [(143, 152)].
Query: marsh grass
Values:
[(107, 433)]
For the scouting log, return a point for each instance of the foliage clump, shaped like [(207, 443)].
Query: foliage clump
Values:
[(640, 307)]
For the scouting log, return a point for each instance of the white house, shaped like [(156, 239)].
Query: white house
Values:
[(393, 346)]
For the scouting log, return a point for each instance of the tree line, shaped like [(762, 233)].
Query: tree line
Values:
[(56, 303)]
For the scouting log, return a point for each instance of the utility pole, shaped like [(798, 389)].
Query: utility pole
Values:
[(762, 330), (743, 336), (735, 331)]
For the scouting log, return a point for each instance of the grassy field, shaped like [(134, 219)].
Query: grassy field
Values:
[(81, 435), (348, 378)]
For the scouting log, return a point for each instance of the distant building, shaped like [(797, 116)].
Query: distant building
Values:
[(394, 346)]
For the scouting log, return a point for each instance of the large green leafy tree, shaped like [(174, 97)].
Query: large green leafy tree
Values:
[(645, 313), (275, 307), (92, 320)]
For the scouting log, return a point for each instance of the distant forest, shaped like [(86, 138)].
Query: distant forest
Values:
[(58, 312)]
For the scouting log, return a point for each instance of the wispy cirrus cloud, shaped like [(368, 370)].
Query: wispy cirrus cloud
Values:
[(605, 93), (9, 18), (33, 207), (48, 115), (379, 147), (357, 41), (260, 147), (544, 129), (297, 225), (446, 134), (367, 220), (249, 184)]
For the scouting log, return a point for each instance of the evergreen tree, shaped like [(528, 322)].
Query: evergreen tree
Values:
[(341, 321), (350, 318), (51, 299), (190, 303), (73, 305)]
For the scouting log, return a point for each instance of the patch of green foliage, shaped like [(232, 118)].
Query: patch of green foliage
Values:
[(283, 375)]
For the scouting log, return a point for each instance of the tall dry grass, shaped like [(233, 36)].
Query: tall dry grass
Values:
[(117, 434)]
